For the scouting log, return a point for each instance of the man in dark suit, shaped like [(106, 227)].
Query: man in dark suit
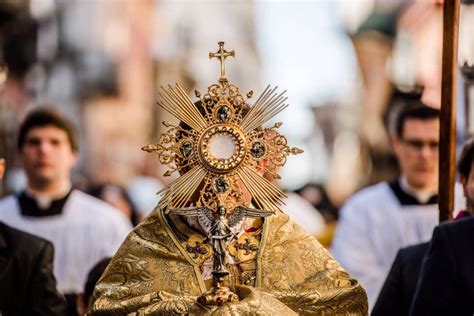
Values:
[(446, 284), (397, 293), (27, 283), (399, 288)]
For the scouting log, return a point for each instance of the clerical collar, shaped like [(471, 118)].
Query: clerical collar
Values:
[(37, 206), (408, 196)]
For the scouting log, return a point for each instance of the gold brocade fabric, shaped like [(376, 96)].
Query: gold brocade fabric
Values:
[(152, 274)]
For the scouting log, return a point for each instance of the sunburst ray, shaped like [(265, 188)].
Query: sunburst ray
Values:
[(266, 194), (179, 192), (176, 101), (267, 106)]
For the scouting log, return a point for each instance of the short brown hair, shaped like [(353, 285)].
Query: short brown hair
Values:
[(47, 117), (417, 111), (466, 158)]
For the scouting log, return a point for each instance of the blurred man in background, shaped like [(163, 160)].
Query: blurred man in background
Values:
[(27, 283), (118, 197), (379, 220), (82, 228)]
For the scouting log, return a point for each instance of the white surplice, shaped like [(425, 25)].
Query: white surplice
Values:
[(86, 231), (373, 226)]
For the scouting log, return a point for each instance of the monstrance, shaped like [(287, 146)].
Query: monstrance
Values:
[(220, 146)]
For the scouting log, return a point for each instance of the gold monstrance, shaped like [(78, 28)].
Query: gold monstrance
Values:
[(219, 146)]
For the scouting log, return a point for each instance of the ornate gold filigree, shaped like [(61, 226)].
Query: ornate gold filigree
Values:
[(220, 142), (198, 250), (245, 247)]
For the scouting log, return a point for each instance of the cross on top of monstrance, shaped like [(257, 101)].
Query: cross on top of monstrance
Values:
[(222, 54)]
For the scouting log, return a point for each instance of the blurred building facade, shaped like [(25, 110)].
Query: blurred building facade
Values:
[(102, 62)]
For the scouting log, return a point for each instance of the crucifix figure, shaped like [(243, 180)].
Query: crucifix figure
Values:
[(222, 54)]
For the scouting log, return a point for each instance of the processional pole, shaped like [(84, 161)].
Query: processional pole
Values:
[(447, 149)]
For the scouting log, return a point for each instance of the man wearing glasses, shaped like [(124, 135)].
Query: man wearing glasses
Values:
[(379, 220)]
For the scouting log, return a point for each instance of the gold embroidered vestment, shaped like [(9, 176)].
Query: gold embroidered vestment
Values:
[(152, 273)]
